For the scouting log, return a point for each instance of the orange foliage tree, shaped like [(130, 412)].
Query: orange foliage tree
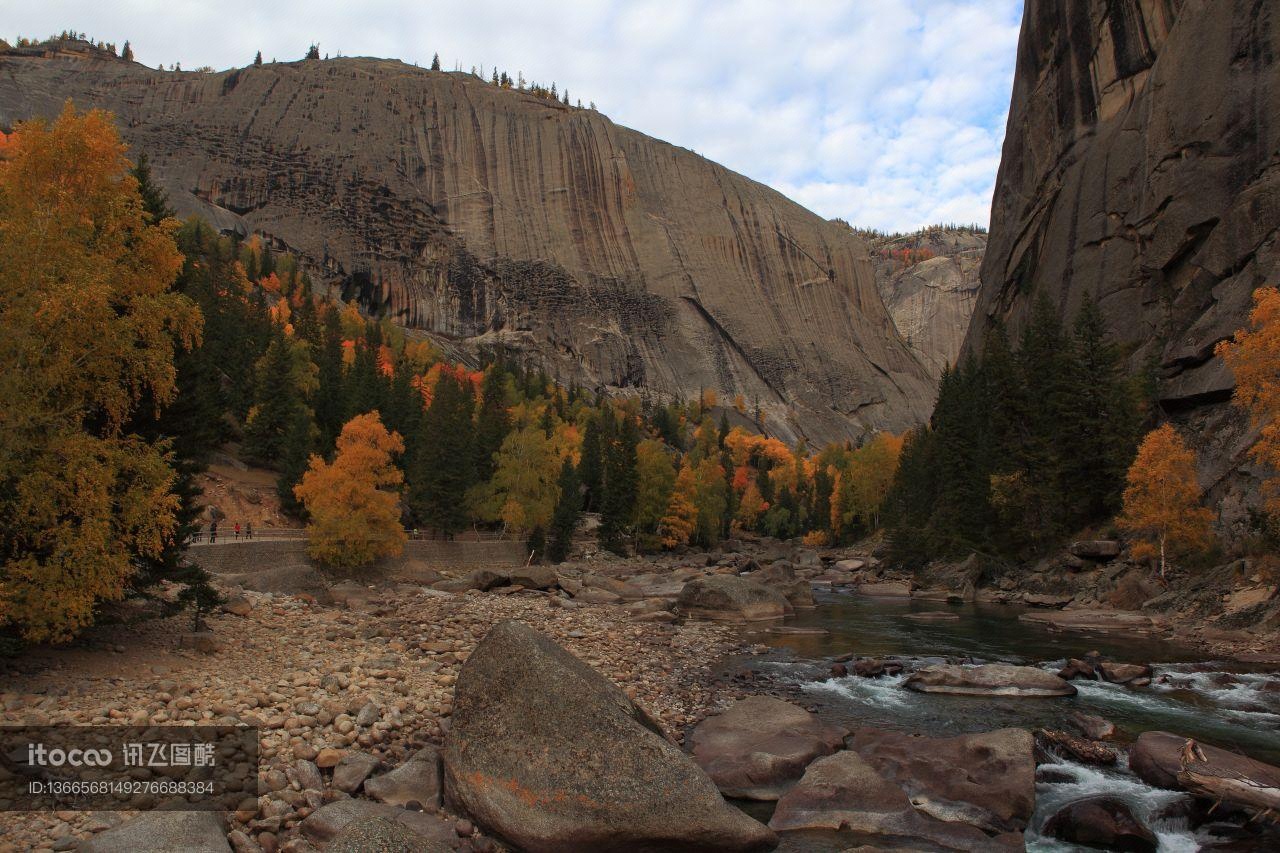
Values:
[(1162, 499), (676, 526), (354, 502), (88, 324), (1254, 358)]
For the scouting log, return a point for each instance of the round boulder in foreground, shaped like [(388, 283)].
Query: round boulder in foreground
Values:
[(549, 755)]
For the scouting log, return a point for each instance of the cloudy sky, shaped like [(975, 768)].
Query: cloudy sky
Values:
[(887, 113)]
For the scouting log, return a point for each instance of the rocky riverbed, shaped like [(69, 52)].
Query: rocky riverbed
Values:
[(354, 685), (374, 677)]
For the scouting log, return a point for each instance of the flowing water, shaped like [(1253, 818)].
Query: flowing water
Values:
[(1231, 706)]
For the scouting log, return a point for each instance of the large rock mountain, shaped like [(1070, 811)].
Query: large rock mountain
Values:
[(489, 216), (929, 283), (1142, 164)]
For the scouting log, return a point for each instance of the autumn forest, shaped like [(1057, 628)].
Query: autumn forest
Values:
[(214, 338)]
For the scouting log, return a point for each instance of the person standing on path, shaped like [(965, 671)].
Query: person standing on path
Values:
[(237, 530), (213, 531), (248, 530)]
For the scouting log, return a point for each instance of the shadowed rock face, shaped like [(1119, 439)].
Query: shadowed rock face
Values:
[(1141, 164), (929, 283), (491, 216)]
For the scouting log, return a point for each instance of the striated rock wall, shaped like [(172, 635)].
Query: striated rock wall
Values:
[(929, 283), (1142, 163), (489, 216)]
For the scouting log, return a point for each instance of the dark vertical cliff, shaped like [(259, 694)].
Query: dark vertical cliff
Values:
[(1142, 164), (488, 216)]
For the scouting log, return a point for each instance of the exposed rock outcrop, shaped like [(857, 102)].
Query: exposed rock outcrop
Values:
[(760, 745), (992, 679), (986, 780), (491, 217), (929, 283), (548, 754), (1141, 166), (844, 791), (1104, 822), (164, 832), (729, 598)]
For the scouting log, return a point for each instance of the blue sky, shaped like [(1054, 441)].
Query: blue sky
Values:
[(886, 113)]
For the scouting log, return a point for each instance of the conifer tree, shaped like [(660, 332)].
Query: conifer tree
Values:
[(127, 52), (330, 396), (1099, 426), (284, 379), (257, 58), (441, 470), (435, 62), (492, 423), (617, 504), (564, 521), (909, 504), (155, 202), (591, 469)]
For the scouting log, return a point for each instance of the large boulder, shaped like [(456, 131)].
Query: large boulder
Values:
[(330, 821), (549, 755), (1101, 822), (417, 780), (986, 780), (1096, 549), (760, 745), (1158, 759), (730, 598), (781, 576), (349, 773), (1139, 675), (481, 579), (378, 834), (164, 832), (532, 577), (844, 792), (993, 679)]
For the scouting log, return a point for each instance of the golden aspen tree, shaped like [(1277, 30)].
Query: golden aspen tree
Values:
[(354, 502), (1254, 359), (88, 325), (1162, 499), (677, 525)]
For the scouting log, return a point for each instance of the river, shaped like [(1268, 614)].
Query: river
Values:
[(1233, 706)]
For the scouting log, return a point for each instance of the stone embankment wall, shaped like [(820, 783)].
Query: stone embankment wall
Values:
[(420, 556)]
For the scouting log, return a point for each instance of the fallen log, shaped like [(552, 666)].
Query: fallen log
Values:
[(1255, 785), (1082, 750)]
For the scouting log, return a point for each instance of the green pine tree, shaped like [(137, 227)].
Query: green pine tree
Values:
[(591, 469), (564, 521), (617, 505), (441, 471), (492, 422)]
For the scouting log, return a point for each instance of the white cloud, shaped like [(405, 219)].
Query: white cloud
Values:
[(887, 114)]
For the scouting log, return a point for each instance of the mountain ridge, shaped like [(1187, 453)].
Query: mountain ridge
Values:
[(488, 216)]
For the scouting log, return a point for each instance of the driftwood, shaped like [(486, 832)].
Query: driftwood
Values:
[(1254, 787), (1081, 749)]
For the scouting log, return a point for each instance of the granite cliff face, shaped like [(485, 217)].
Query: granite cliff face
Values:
[(929, 283), (1142, 164), (488, 216)]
